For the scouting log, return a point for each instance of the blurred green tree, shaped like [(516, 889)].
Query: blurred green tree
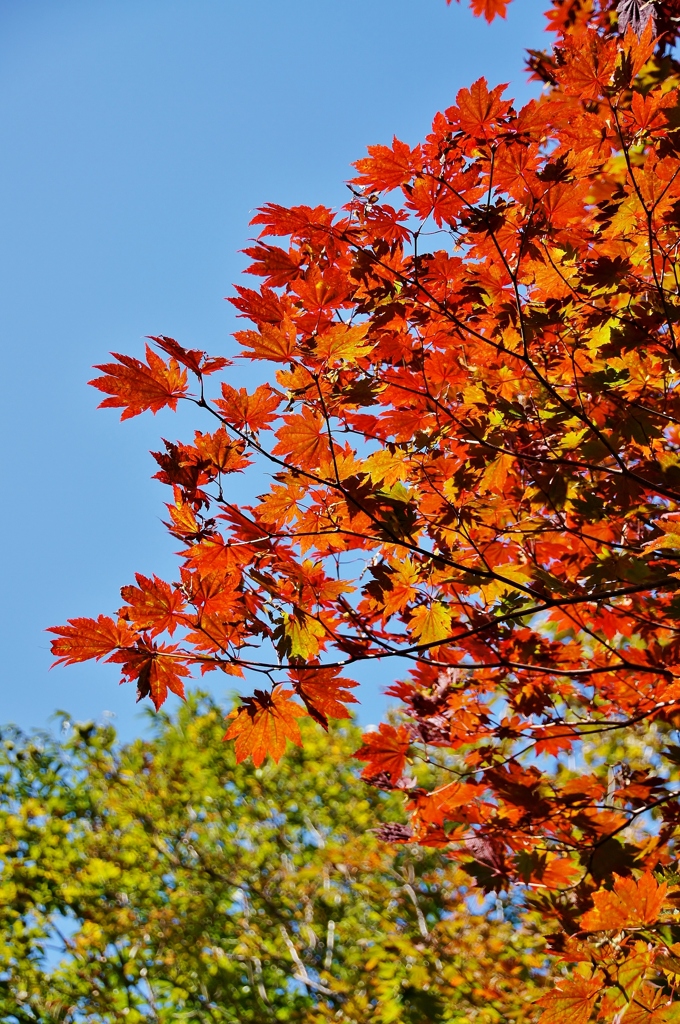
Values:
[(160, 881)]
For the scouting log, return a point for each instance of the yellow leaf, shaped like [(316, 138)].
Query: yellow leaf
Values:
[(671, 964), (671, 534), (304, 634), (572, 439), (431, 623), (600, 336), (507, 383), (341, 343), (473, 395), (450, 490), (510, 573), (385, 468), (495, 475)]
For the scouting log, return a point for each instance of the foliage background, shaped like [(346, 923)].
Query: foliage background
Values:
[(160, 881)]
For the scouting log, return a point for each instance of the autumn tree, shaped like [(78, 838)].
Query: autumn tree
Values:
[(161, 881), (472, 421)]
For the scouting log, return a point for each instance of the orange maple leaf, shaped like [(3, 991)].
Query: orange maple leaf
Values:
[(639, 48), (281, 505), (478, 111), (436, 807), (321, 290), (135, 386), (559, 873), (263, 724), (489, 8), (153, 604), (631, 904), (254, 411), (303, 439), (184, 523), (275, 264), (341, 343), (273, 341), (293, 220), (495, 475), (571, 1001), (83, 638), (385, 751), (651, 1005), (223, 453)]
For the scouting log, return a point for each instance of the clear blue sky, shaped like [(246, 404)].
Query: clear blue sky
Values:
[(138, 136)]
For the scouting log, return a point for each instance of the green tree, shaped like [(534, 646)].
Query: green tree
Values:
[(161, 881)]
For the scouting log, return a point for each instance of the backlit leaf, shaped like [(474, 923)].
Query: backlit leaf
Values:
[(254, 412), (84, 638), (303, 439), (325, 694), (153, 604), (135, 386), (489, 8), (385, 750), (572, 1000), (156, 669), (430, 623), (630, 904), (263, 725)]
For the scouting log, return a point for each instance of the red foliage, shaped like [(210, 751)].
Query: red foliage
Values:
[(476, 474)]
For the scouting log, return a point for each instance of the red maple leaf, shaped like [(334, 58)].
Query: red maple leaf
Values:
[(385, 750), (200, 362), (489, 8), (478, 111), (324, 692), (153, 604), (156, 668), (386, 168), (82, 639), (135, 386)]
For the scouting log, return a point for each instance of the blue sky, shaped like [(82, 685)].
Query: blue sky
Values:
[(138, 138)]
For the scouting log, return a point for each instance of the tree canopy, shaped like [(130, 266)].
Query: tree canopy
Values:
[(161, 881), (471, 416)]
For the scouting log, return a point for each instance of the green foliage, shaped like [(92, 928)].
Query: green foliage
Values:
[(160, 881)]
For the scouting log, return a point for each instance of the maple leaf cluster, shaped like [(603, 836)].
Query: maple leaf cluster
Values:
[(474, 430)]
